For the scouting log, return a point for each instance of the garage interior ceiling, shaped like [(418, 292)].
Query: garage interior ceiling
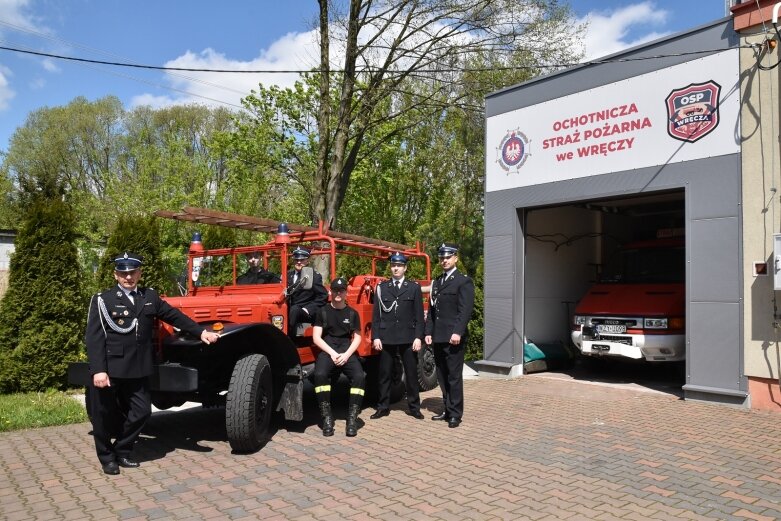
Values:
[(668, 203)]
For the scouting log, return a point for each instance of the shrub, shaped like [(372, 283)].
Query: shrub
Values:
[(474, 347), (42, 314)]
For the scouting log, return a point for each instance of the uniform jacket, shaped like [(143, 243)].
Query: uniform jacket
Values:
[(261, 276), (451, 306), (309, 299), (131, 354), (404, 323)]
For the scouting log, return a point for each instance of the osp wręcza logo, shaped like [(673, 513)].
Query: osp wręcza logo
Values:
[(693, 111), (513, 151)]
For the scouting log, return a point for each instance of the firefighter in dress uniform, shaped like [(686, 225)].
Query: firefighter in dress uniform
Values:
[(397, 330), (303, 303), (120, 326), (337, 333), (452, 300)]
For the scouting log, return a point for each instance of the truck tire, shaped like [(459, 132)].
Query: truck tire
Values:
[(248, 403), (427, 369)]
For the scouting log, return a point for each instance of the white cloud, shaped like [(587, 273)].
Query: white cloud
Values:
[(37, 83), (613, 30), (12, 13), (15, 18), (49, 65), (6, 92), (156, 102), (294, 51)]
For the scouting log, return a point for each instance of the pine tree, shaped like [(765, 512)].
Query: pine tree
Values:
[(42, 315), (139, 235)]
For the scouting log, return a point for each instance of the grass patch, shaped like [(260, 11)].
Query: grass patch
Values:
[(31, 410)]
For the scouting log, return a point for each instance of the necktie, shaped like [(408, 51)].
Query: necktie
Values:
[(397, 284), (133, 296)]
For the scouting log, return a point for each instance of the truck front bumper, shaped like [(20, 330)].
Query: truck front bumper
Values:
[(652, 348)]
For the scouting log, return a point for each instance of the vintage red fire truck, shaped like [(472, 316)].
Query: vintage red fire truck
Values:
[(256, 369), (637, 307)]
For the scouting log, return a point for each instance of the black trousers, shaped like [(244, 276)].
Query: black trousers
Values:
[(409, 359), (449, 360), (119, 412), (325, 369), (296, 315)]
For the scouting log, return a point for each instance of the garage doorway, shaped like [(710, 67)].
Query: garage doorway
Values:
[(566, 249)]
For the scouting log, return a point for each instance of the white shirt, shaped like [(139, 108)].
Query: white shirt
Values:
[(127, 292)]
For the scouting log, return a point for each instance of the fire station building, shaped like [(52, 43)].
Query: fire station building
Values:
[(675, 139)]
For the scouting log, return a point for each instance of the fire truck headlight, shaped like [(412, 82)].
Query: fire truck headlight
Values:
[(579, 320), (655, 323)]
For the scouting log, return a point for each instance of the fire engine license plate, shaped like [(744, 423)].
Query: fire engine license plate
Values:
[(605, 328)]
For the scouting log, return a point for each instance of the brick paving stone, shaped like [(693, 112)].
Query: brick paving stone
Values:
[(539, 449)]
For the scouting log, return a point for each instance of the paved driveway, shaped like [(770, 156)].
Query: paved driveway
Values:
[(530, 448)]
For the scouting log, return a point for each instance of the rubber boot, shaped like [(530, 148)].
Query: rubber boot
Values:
[(352, 419), (328, 419)]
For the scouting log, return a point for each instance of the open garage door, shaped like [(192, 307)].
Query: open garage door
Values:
[(618, 265)]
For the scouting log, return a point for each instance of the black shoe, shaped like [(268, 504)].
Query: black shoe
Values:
[(415, 414), (111, 468), (328, 418), (353, 410), (379, 413), (441, 416), (453, 422), (127, 463)]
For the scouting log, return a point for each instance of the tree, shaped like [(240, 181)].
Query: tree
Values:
[(388, 43), (139, 235), (42, 313)]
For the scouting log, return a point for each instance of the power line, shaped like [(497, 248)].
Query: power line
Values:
[(104, 52), (291, 71)]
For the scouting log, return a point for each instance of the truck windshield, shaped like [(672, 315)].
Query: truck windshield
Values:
[(646, 265)]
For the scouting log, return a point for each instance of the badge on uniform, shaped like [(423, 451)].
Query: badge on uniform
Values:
[(121, 322), (126, 313)]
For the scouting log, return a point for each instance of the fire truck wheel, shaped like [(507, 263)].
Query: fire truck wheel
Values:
[(427, 370), (248, 403)]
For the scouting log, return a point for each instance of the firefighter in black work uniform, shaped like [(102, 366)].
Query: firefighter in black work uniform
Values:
[(337, 333), (452, 300), (256, 273), (119, 332), (397, 330)]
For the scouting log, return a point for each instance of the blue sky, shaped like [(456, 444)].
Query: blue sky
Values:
[(239, 34)]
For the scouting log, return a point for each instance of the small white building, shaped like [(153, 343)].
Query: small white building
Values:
[(6, 249)]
